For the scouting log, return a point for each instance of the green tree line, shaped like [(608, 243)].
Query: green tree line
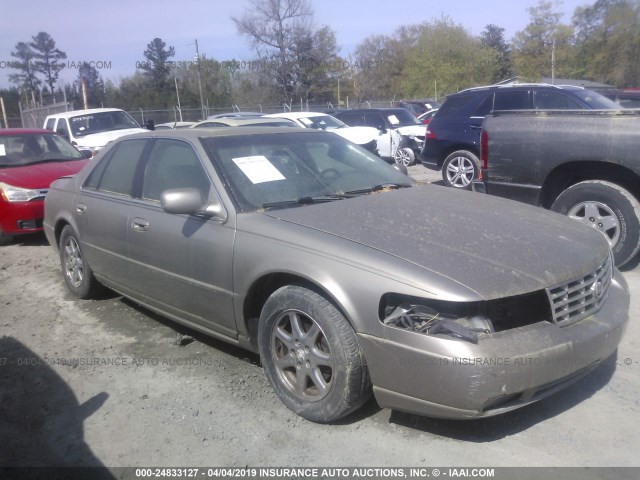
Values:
[(297, 61)]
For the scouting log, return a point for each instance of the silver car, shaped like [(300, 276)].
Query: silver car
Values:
[(298, 245)]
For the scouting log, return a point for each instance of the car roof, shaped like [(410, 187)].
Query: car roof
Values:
[(296, 115), (383, 110), (520, 85), (24, 131), (234, 115), (232, 122), (193, 134), (74, 113)]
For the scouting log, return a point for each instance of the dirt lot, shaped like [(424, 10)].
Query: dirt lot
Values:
[(106, 382)]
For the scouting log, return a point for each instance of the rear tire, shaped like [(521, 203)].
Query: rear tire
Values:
[(608, 208), (311, 355), (5, 238), (460, 169), (77, 273)]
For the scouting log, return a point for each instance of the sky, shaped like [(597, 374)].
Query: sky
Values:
[(114, 34)]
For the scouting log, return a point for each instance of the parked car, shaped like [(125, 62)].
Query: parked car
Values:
[(92, 129), (627, 98), (453, 135), (244, 122), (296, 244), (29, 161), (401, 136), (235, 115), (366, 137), (426, 117), (583, 164), (418, 107), (170, 125)]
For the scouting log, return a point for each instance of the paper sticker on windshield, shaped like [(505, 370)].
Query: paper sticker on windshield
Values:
[(306, 121), (393, 119), (3, 152), (258, 169)]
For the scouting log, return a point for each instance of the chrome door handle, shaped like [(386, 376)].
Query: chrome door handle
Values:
[(81, 208), (140, 224)]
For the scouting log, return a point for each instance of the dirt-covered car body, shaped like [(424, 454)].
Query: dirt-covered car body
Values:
[(295, 243)]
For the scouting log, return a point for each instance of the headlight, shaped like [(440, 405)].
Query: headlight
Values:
[(16, 194), (429, 321)]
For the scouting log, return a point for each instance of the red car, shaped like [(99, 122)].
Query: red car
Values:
[(29, 161)]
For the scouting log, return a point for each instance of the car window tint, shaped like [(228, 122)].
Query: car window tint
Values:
[(453, 105), (353, 119), (62, 127), (173, 164), (50, 124), (553, 100), (516, 100), (374, 120), (121, 168), (485, 107)]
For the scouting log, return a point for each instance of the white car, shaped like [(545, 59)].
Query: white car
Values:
[(92, 129), (364, 136)]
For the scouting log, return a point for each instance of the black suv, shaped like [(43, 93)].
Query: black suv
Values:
[(453, 135)]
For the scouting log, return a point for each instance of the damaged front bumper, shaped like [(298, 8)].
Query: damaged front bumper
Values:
[(453, 378)]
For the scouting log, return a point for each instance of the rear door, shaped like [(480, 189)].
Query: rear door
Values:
[(102, 210)]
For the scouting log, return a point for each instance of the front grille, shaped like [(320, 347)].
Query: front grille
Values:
[(577, 299)]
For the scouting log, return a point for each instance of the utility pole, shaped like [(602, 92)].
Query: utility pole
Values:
[(553, 61), (200, 81)]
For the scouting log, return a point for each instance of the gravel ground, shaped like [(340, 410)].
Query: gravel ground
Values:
[(105, 382)]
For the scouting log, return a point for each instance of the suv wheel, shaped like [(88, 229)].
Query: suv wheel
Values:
[(608, 208), (460, 168)]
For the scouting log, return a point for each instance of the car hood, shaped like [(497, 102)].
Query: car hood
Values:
[(39, 175), (99, 140), (492, 246), (413, 130), (357, 135)]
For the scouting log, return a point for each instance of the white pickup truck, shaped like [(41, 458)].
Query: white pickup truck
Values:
[(92, 129)]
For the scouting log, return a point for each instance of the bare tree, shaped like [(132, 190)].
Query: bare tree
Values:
[(273, 27)]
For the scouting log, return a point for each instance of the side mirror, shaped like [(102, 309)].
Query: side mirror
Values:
[(382, 129), (189, 201), (86, 153), (150, 125), (401, 168)]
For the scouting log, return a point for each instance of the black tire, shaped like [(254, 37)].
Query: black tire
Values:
[(404, 154), (460, 168), (318, 370), (5, 239), (610, 209), (75, 269)]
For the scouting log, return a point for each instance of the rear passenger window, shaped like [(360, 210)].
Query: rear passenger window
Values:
[(485, 107), (516, 100), (553, 100), (374, 120), (453, 105), (353, 119), (50, 124), (119, 172)]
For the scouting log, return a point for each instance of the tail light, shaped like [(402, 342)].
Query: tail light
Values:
[(426, 121), (430, 135), (484, 149)]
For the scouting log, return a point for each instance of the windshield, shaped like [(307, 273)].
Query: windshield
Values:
[(401, 118), (595, 100), (101, 122), (322, 122), (265, 170), (25, 149)]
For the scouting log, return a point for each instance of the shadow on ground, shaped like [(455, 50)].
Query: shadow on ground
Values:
[(41, 420)]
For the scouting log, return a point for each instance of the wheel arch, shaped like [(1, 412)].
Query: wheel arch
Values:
[(264, 286), (571, 173)]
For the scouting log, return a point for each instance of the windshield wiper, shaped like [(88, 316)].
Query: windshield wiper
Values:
[(377, 188), (307, 200)]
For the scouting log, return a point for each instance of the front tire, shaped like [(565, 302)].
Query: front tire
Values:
[(311, 355), (460, 168), (608, 208), (404, 155), (77, 273)]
